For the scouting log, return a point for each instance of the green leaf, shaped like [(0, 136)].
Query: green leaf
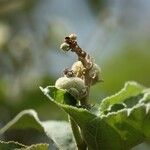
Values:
[(130, 94), (121, 129), (146, 97), (25, 119), (37, 147), (115, 107), (25, 126), (62, 96), (61, 133), (92, 127), (28, 121), (131, 124), (11, 145)]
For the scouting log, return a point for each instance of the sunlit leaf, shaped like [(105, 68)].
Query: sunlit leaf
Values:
[(121, 129), (10, 145), (130, 94)]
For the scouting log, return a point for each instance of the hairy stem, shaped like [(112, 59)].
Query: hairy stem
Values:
[(81, 145), (85, 100), (87, 63)]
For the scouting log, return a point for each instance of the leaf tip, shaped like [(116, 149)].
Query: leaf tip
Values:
[(134, 84), (44, 90)]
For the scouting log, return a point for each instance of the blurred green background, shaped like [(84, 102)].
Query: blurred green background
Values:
[(115, 32)]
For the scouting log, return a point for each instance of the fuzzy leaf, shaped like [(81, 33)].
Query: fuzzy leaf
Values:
[(130, 95), (47, 130), (61, 133), (62, 96), (24, 128), (11, 145), (121, 129), (146, 97), (131, 124), (36, 147)]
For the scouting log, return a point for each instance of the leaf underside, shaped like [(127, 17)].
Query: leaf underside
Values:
[(26, 126)]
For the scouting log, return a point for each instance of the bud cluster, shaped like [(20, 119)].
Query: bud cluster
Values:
[(83, 73)]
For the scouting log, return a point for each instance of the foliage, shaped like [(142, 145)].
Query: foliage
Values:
[(118, 129), (121, 128), (14, 145), (58, 131), (119, 42)]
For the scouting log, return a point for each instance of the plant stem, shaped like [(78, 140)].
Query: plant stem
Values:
[(87, 81), (81, 145), (88, 64)]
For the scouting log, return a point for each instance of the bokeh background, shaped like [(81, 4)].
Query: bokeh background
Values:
[(115, 32)]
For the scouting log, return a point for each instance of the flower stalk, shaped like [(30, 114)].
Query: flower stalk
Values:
[(88, 72)]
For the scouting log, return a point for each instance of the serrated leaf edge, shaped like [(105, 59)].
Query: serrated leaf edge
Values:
[(128, 111), (25, 112), (13, 142), (133, 83)]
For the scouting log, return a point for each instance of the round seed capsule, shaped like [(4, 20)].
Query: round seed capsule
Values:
[(64, 47), (74, 85), (73, 36)]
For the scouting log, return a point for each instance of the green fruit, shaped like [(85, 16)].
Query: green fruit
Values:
[(64, 47), (74, 85)]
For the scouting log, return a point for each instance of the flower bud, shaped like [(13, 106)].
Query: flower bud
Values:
[(74, 85), (78, 68), (73, 36), (64, 47)]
